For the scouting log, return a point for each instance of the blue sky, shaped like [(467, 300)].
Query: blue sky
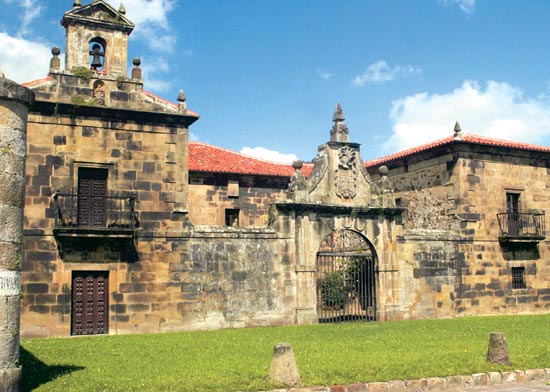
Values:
[(268, 73)]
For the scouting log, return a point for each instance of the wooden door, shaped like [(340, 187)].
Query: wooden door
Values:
[(92, 193), (90, 303)]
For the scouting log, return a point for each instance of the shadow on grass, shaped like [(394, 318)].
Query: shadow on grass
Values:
[(36, 372)]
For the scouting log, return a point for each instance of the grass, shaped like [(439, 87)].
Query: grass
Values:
[(239, 359)]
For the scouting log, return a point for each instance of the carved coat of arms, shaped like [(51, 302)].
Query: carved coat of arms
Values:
[(345, 177)]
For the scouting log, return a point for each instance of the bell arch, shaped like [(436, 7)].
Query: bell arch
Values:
[(346, 266), (97, 49)]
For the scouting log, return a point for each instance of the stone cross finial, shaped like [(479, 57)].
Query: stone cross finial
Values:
[(339, 131), (457, 130)]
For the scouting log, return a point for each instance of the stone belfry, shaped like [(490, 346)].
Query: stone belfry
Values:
[(339, 176), (97, 37)]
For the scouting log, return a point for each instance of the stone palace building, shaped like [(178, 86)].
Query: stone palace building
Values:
[(131, 228)]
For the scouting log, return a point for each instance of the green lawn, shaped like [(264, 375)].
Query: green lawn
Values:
[(239, 359)]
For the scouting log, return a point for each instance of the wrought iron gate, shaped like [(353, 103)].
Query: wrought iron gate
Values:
[(346, 284), (90, 304)]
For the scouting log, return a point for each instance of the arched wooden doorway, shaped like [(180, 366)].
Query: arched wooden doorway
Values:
[(346, 282)]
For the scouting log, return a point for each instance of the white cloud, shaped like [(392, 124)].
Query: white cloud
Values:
[(269, 155), (151, 74), (23, 60), (31, 10), (497, 110), (466, 6), (325, 75), (151, 20), (380, 71), (194, 137)]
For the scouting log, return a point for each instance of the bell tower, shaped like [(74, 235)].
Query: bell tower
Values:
[(97, 38)]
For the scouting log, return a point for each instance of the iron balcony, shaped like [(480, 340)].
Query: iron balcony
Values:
[(101, 215), (515, 226)]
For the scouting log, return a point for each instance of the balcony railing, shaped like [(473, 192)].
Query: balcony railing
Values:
[(522, 226), (83, 213)]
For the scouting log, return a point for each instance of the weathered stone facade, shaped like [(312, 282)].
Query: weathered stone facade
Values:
[(458, 260), (122, 236), (211, 196)]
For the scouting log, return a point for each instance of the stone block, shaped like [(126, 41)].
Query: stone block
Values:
[(455, 382), (437, 384), (494, 378), (283, 366), (468, 381), (358, 387), (378, 387), (396, 386), (534, 375), (509, 377), (337, 388), (480, 379), (520, 376)]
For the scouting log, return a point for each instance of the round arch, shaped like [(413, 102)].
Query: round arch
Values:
[(346, 278)]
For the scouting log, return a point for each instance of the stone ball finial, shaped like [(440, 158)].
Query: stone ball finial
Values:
[(383, 170), (121, 9), (297, 164), (56, 51), (76, 3), (136, 71)]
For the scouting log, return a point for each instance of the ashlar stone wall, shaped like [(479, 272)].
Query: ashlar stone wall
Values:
[(453, 258), (143, 160), (209, 199)]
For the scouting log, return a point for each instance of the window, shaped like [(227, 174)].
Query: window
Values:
[(512, 202), (518, 278), (233, 189), (232, 217), (512, 210)]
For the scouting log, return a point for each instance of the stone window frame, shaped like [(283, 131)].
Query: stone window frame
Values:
[(513, 190), (233, 189), (518, 281), (77, 164)]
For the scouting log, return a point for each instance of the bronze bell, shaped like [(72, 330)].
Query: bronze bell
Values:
[(97, 53)]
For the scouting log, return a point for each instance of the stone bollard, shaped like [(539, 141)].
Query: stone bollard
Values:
[(15, 101), (283, 366), (498, 349)]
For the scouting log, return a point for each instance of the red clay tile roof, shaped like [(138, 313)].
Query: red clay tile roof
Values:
[(207, 158), (37, 82), (464, 138)]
